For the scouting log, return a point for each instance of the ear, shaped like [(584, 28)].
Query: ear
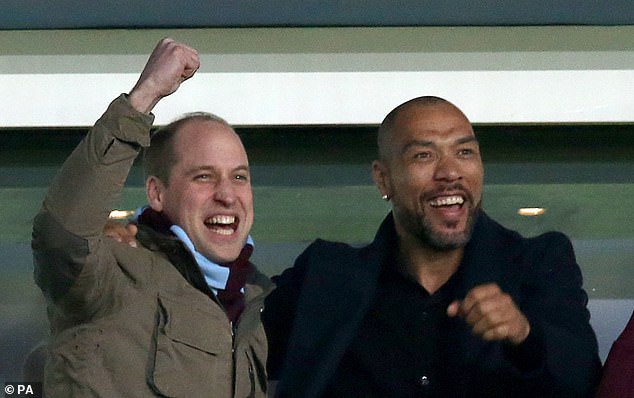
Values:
[(380, 175), (154, 190)]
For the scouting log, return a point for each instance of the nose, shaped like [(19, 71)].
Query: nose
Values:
[(447, 169), (224, 192)]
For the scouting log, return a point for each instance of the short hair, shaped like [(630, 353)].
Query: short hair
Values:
[(385, 129), (159, 157)]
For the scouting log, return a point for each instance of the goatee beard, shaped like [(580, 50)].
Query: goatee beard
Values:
[(450, 240)]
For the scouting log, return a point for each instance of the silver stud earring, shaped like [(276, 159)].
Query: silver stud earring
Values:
[(385, 197)]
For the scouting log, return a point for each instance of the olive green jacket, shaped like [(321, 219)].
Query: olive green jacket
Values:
[(125, 322)]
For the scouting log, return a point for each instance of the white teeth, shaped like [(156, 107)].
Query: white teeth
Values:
[(221, 224), (224, 220), (448, 201), (221, 231)]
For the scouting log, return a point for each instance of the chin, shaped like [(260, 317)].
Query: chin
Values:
[(445, 243), (231, 255), (445, 240)]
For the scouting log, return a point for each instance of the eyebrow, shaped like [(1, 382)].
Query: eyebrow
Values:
[(197, 169), (417, 143), (243, 168), (467, 139), (425, 143)]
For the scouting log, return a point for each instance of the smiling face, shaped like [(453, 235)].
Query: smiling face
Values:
[(430, 167), (209, 191)]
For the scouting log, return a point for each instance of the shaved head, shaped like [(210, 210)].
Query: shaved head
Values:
[(386, 127), (430, 169)]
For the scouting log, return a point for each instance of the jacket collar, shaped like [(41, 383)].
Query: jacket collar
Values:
[(348, 279), (491, 247), (182, 259)]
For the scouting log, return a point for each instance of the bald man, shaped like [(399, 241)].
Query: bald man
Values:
[(445, 302)]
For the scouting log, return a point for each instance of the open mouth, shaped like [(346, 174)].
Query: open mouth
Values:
[(447, 201), (222, 224)]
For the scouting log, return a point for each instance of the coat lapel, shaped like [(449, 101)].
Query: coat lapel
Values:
[(338, 289)]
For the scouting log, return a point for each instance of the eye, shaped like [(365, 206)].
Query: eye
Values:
[(241, 177), (466, 151), (423, 155), (202, 177)]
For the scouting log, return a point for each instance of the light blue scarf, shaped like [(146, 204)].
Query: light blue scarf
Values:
[(215, 275)]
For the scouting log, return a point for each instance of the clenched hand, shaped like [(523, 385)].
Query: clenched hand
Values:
[(170, 64), (492, 314)]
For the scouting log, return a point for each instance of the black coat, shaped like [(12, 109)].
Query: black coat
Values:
[(318, 305)]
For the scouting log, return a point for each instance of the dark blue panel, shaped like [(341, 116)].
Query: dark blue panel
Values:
[(60, 14)]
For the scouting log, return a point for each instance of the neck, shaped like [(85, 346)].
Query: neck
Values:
[(430, 267)]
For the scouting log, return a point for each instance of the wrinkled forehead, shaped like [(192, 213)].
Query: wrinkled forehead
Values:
[(430, 117), (438, 121), (209, 136)]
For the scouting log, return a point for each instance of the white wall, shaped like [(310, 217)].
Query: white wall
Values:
[(329, 76)]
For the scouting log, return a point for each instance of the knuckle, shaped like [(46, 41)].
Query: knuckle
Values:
[(502, 330)]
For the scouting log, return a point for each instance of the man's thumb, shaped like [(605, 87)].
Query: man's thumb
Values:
[(453, 308)]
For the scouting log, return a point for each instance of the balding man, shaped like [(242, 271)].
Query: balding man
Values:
[(179, 316)]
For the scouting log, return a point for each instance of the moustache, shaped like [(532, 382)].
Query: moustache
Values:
[(455, 188)]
